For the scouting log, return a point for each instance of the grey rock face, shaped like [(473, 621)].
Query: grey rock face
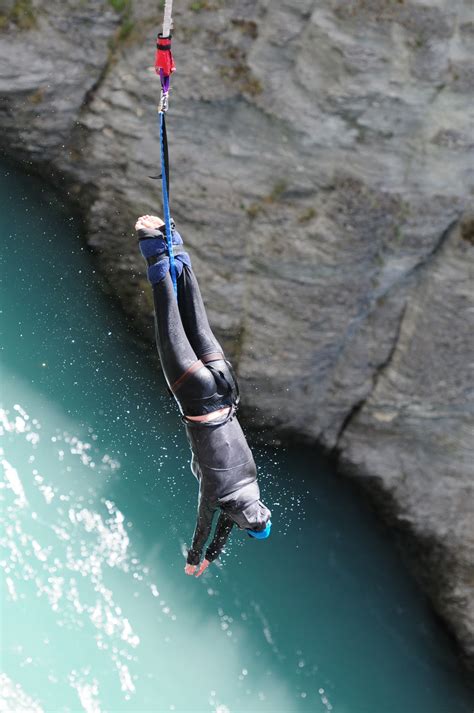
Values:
[(47, 71), (320, 154), (424, 454)]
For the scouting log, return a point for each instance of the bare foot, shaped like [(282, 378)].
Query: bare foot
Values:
[(148, 221)]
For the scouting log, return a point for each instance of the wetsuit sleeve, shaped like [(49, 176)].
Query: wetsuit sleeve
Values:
[(202, 531), (223, 530)]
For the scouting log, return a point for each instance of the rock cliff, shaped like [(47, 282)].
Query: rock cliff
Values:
[(321, 155)]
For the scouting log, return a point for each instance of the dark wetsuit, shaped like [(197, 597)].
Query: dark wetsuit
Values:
[(202, 381)]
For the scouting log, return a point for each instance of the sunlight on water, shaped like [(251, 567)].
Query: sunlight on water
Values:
[(63, 550), (13, 698)]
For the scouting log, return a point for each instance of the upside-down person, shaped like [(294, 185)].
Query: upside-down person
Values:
[(205, 388)]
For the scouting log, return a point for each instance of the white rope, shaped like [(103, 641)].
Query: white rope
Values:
[(167, 21)]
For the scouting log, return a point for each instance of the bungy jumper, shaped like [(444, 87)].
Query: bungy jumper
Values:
[(198, 375)]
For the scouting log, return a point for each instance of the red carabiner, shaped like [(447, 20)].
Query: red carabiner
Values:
[(164, 59)]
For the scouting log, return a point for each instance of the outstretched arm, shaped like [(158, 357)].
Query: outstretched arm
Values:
[(223, 530), (202, 530)]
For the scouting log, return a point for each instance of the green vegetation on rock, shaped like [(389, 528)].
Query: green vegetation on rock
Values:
[(120, 5), (127, 25), (21, 14)]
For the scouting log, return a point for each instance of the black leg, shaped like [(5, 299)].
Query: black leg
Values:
[(193, 315), (191, 386), (176, 353)]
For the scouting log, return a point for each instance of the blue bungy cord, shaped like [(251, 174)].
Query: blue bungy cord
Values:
[(166, 207)]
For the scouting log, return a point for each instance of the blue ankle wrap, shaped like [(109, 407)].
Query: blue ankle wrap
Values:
[(159, 270), (152, 246), (152, 243), (176, 238)]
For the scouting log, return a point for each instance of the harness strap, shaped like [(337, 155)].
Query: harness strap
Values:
[(194, 367), (218, 356), (210, 424), (212, 356)]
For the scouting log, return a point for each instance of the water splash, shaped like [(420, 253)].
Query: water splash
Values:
[(14, 698), (66, 554)]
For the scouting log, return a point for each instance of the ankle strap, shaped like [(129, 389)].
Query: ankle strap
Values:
[(153, 259)]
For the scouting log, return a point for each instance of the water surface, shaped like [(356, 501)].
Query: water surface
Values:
[(98, 503)]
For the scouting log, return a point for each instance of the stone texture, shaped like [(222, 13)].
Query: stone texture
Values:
[(424, 438), (47, 72), (321, 155)]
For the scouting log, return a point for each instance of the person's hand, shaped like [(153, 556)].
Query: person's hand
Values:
[(204, 565), (191, 568)]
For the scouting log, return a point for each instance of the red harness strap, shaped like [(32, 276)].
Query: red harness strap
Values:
[(164, 59), (212, 356), (194, 367)]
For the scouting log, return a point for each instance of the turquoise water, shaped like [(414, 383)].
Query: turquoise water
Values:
[(98, 503)]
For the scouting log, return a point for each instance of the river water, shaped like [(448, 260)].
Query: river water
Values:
[(98, 503)]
